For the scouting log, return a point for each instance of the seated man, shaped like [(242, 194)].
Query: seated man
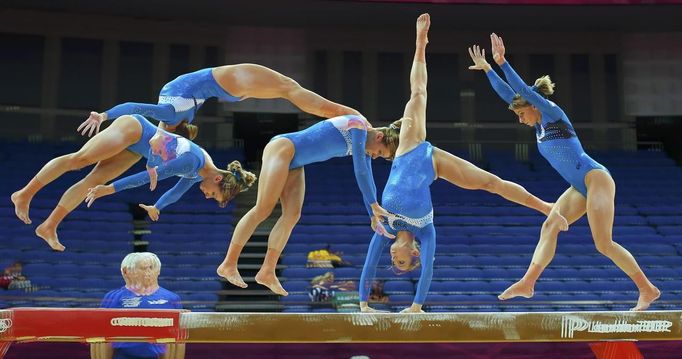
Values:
[(141, 275)]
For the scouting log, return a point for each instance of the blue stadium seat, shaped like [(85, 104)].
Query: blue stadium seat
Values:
[(199, 301), (661, 273), (296, 286), (298, 299), (560, 273), (669, 285), (401, 299), (400, 287), (304, 273), (612, 285), (198, 285), (460, 286), (454, 261), (347, 273), (456, 273), (296, 309), (294, 259), (497, 286), (437, 299)]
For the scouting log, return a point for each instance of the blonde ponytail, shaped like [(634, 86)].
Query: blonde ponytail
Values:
[(235, 180), (543, 86), (391, 137)]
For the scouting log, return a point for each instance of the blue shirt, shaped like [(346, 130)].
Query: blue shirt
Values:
[(124, 298)]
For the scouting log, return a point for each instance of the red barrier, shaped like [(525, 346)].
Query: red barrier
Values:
[(71, 324)]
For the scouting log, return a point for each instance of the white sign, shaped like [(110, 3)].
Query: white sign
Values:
[(141, 322), (570, 325)]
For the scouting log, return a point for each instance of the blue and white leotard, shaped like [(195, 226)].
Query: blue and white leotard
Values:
[(183, 159), (141, 147), (179, 99), (556, 138), (336, 137), (407, 195)]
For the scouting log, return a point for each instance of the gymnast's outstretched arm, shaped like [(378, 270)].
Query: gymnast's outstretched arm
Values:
[(376, 247)]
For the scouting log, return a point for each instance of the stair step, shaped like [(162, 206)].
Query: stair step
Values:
[(256, 298), (252, 255), (256, 244), (251, 261)]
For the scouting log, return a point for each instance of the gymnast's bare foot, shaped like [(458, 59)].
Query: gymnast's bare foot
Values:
[(518, 289), (49, 235), (232, 275), (21, 206), (423, 24), (270, 280), (646, 297)]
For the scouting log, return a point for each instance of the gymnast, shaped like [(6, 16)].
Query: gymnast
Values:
[(181, 98), (407, 197), (592, 189), (282, 178), (116, 149)]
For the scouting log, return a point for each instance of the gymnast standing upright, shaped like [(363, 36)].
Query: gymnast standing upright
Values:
[(592, 189)]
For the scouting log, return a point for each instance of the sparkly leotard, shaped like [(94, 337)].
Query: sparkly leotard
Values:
[(179, 99), (183, 158), (336, 137), (407, 196), (556, 138)]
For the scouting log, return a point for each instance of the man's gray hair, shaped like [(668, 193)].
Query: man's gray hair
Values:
[(130, 261)]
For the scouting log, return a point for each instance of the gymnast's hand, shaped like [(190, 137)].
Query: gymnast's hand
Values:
[(368, 309), (413, 309), (478, 57), (377, 218), (379, 228), (152, 211), (153, 177), (92, 123), (97, 192), (498, 49), (378, 214)]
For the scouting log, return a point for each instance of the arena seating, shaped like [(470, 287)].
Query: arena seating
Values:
[(483, 242)]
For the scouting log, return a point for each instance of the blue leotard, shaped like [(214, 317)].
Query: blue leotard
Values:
[(183, 159), (556, 138), (336, 137), (141, 147), (407, 195), (179, 99)]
